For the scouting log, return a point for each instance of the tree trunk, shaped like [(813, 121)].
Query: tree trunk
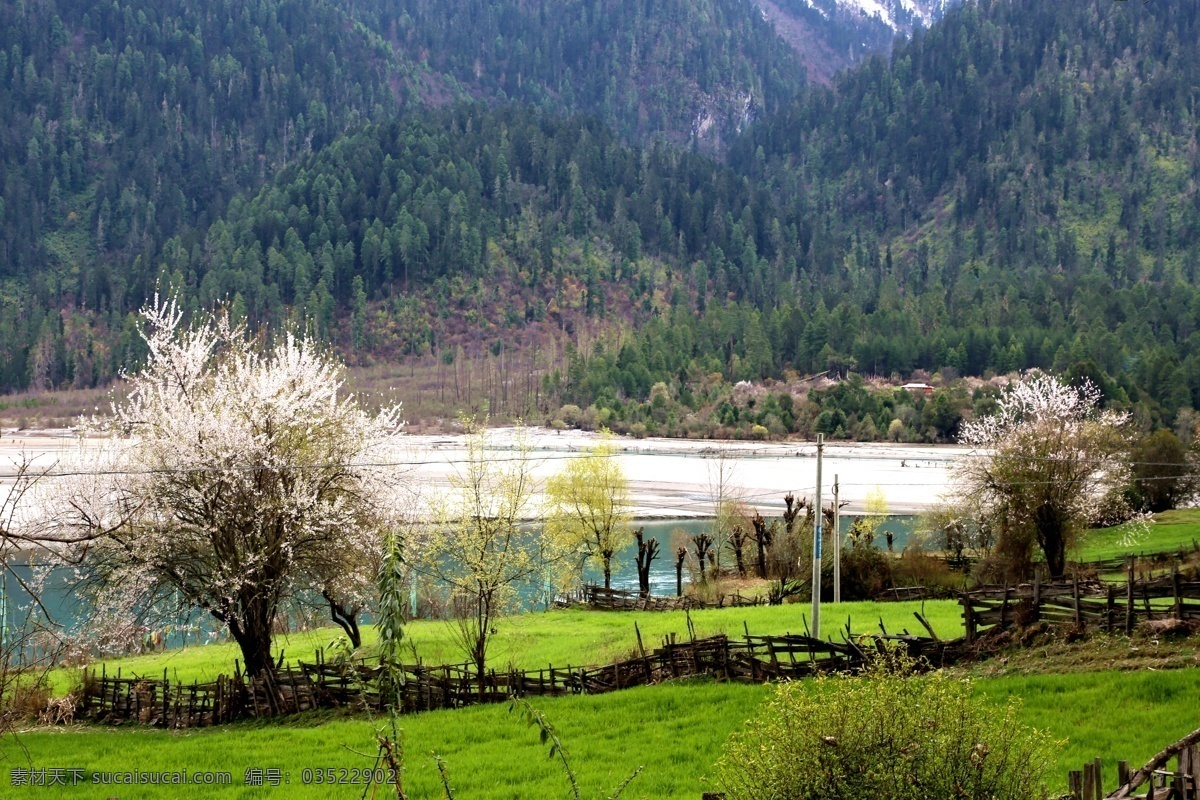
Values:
[(607, 572), (251, 627), (1052, 538), (255, 644), (345, 618)]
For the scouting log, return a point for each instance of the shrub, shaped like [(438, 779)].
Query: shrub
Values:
[(917, 568), (887, 733), (866, 572)]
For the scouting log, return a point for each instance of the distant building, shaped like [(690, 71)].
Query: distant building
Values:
[(923, 388)]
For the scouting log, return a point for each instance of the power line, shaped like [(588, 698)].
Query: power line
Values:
[(561, 456)]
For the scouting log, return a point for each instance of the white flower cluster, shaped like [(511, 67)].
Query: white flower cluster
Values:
[(236, 476)]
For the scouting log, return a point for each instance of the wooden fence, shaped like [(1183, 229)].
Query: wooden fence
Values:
[(324, 684), (1107, 606), (603, 599), (1152, 782)]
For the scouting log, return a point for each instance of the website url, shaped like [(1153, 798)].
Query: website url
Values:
[(75, 777)]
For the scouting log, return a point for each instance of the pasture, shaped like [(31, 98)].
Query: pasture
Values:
[(675, 731)]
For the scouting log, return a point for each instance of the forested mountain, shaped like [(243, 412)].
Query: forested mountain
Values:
[(681, 68), (126, 123), (1015, 187), (132, 124)]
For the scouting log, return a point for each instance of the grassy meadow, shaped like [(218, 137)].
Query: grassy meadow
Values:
[(675, 731), (1170, 530), (560, 637)]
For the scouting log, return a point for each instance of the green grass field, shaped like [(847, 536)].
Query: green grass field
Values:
[(561, 638), (674, 731), (1169, 531)]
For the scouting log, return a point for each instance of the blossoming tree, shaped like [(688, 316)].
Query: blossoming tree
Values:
[(1043, 466), (242, 477)]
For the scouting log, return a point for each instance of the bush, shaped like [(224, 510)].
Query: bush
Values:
[(1161, 473), (866, 572), (888, 733), (916, 568)]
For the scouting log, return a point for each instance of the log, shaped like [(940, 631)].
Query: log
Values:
[(1160, 759)]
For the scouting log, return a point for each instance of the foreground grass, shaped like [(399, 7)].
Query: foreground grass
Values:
[(1169, 531), (561, 638), (674, 731)]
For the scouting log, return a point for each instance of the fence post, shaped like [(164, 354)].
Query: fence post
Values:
[(1074, 784), (1037, 595), (1074, 591), (1109, 611), (1129, 600), (1175, 587), (1122, 773), (1098, 774), (968, 617)]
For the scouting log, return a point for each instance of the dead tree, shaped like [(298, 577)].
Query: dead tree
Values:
[(680, 557), (791, 511), (737, 542), (647, 551), (763, 535), (703, 542)]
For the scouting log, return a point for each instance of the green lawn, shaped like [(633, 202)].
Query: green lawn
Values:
[(675, 731), (563, 638), (1169, 531)]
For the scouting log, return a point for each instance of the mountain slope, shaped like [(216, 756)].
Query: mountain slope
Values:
[(1015, 187), (132, 125), (678, 68), (129, 122), (830, 35)]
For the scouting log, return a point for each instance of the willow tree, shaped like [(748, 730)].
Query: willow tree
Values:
[(1042, 467), (588, 507), (242, 478)]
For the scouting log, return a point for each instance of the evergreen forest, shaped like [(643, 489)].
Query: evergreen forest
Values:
[(637, 205)]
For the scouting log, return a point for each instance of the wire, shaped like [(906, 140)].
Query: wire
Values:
[(705, 453)]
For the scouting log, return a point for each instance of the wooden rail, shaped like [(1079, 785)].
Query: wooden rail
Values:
[(601, 599), (1152, 782), (329, 684), (1082, 604)]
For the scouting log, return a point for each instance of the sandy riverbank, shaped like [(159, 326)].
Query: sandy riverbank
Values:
[(668, 477)]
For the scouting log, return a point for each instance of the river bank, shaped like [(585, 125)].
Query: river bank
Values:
[(669, 478)]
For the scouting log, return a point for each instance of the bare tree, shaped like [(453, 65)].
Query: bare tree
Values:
[(31, 642), (647, 551), (1042, 467), (725, 493), (478, 544), (232, 478)]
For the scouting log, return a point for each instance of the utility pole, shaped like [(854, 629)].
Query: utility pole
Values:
[(837, 544), (4, 606), (816, 576)]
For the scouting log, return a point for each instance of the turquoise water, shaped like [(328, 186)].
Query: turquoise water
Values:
[(66, 610)]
